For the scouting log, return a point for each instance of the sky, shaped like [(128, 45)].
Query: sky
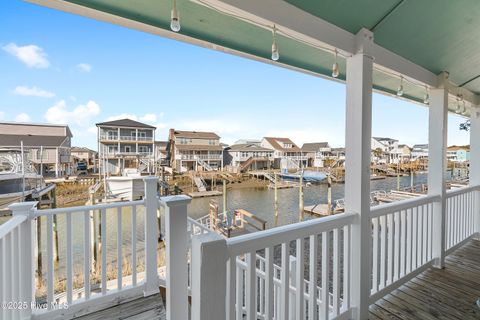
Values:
[(60, 68)]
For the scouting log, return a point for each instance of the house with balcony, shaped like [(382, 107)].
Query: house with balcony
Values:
[(48, 145), (414, 259), (458, 153), (420, 152), (195, 150), (126, 144), (406, 152), (161, 153), (248, 156), (385, 150), (316, 153), (286, 154)]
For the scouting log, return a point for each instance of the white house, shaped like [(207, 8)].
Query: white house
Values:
[(316, 153), (420, 151), (249, 156), (385, 150), (286, 150)]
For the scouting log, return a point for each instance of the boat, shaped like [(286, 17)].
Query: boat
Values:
[(130, 186), (18, 178), (308, 176)]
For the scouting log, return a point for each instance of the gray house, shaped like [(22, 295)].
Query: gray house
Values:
[(126, 144), (48, 145)]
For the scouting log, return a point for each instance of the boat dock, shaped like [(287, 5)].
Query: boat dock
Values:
[(203, 194)]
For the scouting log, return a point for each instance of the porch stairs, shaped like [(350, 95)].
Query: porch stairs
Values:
[(200, 183), (246, 163), (204, 164)]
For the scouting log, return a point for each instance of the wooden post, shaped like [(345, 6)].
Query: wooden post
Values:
[(301, 198), (398, 176), (474, 179), (329, 194), (357, 168), (224, 196), (276, 196), (209, 258), (437, 166), (39, 252), (55, 233), (151, 237), (176, 255)]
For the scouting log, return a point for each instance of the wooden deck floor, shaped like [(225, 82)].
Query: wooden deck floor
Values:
[(149, 308), (450, 293)]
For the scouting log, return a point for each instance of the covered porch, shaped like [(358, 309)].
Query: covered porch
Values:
[(391, 261)]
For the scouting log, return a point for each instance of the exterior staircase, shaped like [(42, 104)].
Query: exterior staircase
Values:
[(200, 183), (204, 164)]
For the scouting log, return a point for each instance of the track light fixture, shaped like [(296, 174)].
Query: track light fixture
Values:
[(275, 54), (175, 19), (335, 69), (400, 87), (426, 97)]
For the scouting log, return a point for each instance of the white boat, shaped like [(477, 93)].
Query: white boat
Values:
[(18, 179), (129, 187)]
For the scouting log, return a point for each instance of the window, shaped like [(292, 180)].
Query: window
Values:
[(112, 135), (143, 149), (128, 149), (142, 134), (133, 135), (112, 149)]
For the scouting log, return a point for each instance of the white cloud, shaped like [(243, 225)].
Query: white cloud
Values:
[(92, 129), (81, 115), (23, 117), (33, 92), (31, 55), (149, 117), (84, 67)]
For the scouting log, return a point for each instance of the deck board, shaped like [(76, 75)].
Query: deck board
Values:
[(450, 293)]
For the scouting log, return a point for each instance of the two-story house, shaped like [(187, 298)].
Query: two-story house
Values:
[(458, 153), (48, 145), (195, 150), (126, 144), (316, 153), (385, 150), (286, 153), (249, 156)]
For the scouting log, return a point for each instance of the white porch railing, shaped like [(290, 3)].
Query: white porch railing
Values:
[(460, 216), (258, 289)]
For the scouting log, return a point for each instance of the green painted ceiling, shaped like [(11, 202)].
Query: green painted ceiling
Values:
[(436, 34)]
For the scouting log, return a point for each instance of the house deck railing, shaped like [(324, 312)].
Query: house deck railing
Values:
[(297, 271)]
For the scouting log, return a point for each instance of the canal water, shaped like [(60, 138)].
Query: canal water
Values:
[(258, 201)]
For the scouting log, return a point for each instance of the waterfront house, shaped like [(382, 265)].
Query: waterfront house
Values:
[(405, 152), (413, 259), (419, 151), (316, 153), (286, 153), (195, 150), (126, 144), (85, 155), (48, 145), (458, 153), (385, 150), (248, 156)]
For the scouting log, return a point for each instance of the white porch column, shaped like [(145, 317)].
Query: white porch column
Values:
[(474, 177), (437, 166), (357, 169)]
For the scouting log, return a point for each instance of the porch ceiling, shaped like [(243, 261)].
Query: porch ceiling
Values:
[(437, 35)]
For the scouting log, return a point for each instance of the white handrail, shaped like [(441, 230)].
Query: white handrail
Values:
[(271, 237), (453, 192), (11, 224), (81, 209), (384, 209)]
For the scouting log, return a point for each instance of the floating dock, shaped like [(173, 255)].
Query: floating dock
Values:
[(203, 194)]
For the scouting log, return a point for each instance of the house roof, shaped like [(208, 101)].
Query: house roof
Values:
[(314, 146), (248, 147), (380, 139), (195, 134), (403, 146), (420, 146), (456, 148), (198, 147), (125, 123), (276, 144), (82, 149), (35, 124), (14, 140)]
